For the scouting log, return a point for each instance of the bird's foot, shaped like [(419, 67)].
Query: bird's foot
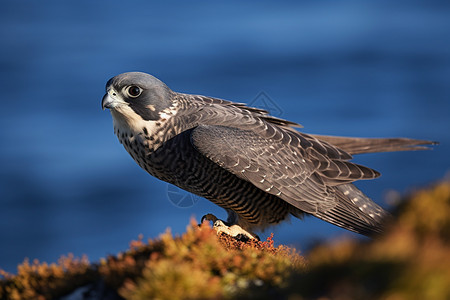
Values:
[(235, 230)]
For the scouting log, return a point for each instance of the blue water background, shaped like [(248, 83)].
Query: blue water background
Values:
[(356, 68)]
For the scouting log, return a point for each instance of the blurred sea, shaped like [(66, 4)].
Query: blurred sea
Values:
[(355, 68)]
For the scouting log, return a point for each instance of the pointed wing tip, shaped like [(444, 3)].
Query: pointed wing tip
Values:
[(377, 174), (421, 145), (433, 143)]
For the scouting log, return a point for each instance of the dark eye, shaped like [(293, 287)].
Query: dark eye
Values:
[(134, 91)]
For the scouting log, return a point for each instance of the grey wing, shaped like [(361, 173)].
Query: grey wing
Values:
[(305, 179), (355, 211)]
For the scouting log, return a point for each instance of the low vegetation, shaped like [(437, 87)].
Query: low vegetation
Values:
[(410, 261)]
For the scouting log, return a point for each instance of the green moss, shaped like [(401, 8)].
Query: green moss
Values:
[(410, 261)]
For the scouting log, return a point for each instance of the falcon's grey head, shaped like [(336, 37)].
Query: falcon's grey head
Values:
[(134, 94)]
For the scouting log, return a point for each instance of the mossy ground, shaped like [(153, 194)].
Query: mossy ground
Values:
[(410, 261)]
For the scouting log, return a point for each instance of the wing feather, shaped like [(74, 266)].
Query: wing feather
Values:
[(301, 179)]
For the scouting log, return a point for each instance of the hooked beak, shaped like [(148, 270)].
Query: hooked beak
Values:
[(107, 101), (112, 100)]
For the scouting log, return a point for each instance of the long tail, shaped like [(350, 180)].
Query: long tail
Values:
[(354, 145), (355, 211)]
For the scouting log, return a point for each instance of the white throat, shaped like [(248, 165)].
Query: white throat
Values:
[(127, 121)]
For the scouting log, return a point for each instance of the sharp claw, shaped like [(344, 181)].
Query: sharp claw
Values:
[(235, 231)]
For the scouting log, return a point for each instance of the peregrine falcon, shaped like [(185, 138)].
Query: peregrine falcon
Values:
[(256, 166)]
